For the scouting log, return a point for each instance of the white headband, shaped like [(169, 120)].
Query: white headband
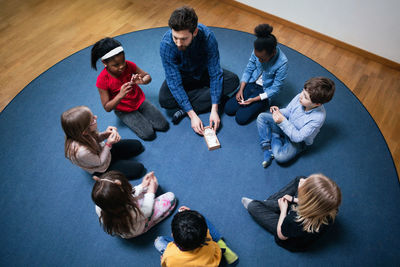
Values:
[(113, 52), (118, 182)]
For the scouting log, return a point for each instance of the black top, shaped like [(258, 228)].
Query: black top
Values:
[(298, 239)]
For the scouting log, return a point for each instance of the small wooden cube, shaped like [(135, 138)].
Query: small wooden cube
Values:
[(211, 138)]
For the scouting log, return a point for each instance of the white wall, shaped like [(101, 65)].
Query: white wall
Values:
[(372, 25)]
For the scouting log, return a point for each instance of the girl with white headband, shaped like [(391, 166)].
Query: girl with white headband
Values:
[(119, 91), (128, 211)]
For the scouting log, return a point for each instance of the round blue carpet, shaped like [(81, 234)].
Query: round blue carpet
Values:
[(48, 218)]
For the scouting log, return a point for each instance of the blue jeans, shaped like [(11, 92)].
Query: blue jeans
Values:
[(161, 242), (245, 114), (272, 136)]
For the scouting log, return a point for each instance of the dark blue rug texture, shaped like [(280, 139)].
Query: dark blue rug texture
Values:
[(48, 218)]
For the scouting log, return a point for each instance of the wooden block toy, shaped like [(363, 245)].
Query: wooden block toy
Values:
[(211, 138)]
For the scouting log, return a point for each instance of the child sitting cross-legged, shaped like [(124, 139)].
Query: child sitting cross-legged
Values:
[(300, 213), (128, 211), (194, 242), (118, 86), (286, 132)]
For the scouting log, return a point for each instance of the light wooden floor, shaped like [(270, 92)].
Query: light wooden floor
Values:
[(36, 34)]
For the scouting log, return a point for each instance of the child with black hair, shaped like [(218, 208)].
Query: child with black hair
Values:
[(262, 79), (194, 242), (119, 91)]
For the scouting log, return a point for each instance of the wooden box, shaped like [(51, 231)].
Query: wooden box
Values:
[(211, 138)]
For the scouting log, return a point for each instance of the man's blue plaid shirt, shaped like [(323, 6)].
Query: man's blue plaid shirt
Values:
[(202, 54)]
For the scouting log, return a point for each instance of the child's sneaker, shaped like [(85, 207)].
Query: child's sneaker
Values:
[(230, 256), (268, 157), (161, 244), (246, 201)]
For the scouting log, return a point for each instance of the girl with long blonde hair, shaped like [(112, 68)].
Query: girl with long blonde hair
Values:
[(300, 213), (85, 146)]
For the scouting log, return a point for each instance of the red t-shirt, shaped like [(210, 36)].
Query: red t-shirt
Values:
[(133, 99)]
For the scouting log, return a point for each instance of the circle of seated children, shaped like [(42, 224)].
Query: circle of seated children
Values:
[(297, 215)]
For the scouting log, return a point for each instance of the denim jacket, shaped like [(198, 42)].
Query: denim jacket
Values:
[(273, 72)]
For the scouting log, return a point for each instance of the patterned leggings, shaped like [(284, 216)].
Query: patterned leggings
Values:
[(163, 205)]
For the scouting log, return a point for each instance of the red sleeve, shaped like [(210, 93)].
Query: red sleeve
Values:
[(132, 66), (102, 80)]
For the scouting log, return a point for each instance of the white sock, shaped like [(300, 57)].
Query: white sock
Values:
[(246, 201)]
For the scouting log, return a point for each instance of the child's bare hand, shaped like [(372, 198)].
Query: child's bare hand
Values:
[(125, 89), (153, 185), (273, 109), (147, 179), (137, 79), (111, 129), (183, 208), (113, 138), (277, 116), (118, 137), (154, 179), (247, 102), (239, 96), (149, 175), (288, 198), (283, 204)]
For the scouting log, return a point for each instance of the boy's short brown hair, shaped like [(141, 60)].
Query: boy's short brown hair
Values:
[(321, 89), (183, 18)]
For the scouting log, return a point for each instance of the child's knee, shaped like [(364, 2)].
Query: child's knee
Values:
[(229, 111), (135, 146), (263, 118), (162, 125), (231, 107), (260, 117), (147, 134), (165, 126), (283, 157), (170, 196), (136, 170), (241, 120)]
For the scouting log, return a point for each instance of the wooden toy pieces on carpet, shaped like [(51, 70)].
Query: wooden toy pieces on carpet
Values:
[(211, 138)]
